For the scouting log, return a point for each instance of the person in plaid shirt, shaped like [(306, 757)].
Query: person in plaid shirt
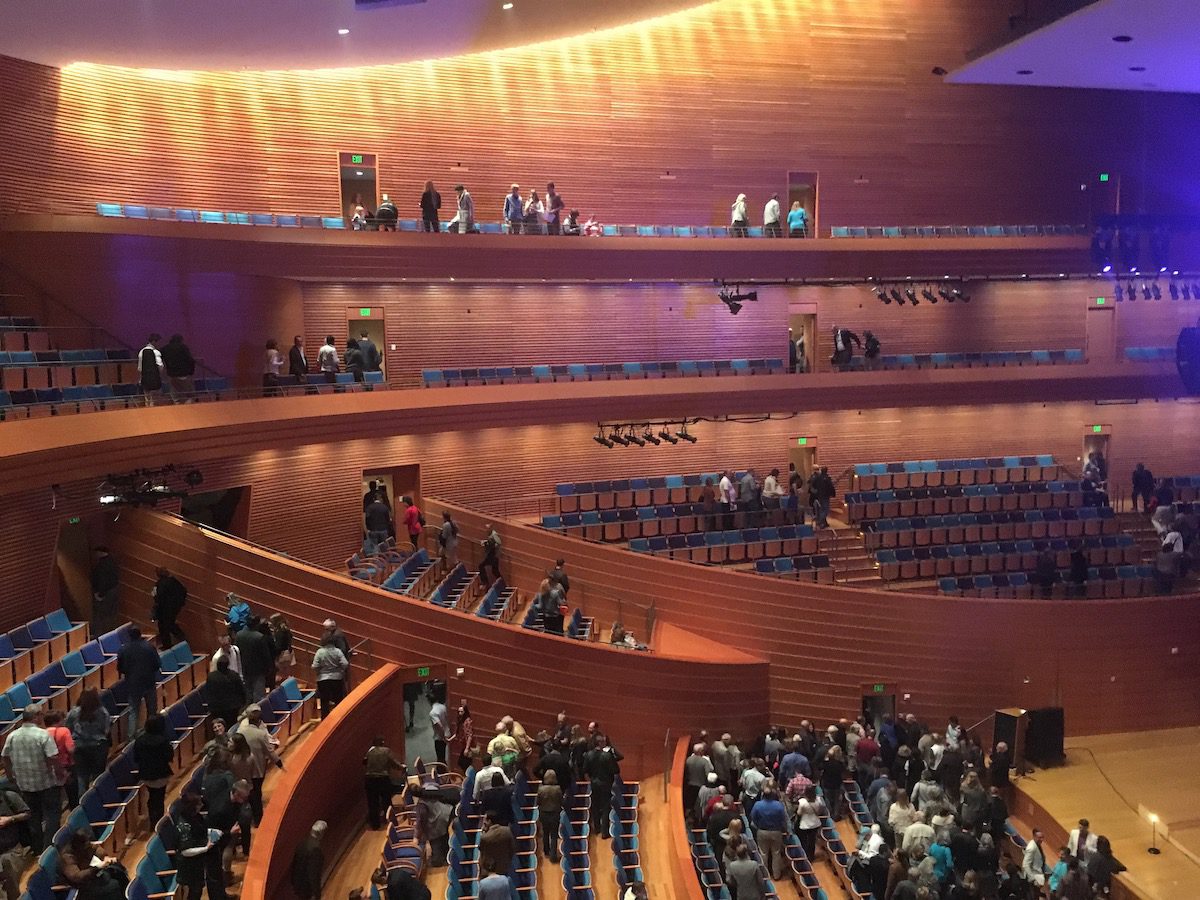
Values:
[(29, 755)]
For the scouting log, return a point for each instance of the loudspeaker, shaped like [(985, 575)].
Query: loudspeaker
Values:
[(1009, 728), (1044, 736), (1187, 358)]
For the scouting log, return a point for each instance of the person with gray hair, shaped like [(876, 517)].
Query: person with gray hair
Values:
[(29, 754), (308, 863)]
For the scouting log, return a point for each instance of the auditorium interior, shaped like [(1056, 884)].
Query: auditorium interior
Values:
[(848, 366)]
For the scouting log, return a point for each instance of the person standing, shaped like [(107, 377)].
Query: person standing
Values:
[(64, 763), (554, 207), (281, 640), (13, 811), (439, 719), (771, 213), (297, 361), (378, 519), (380, 764), (139, 664), (194, 844), (330, 665), (355, 361), (386, 214), (769, 818), (225, 815), (153, 753), (180, 366), (739, 222), (431, 202), (464, 218), (549, 803), (262, 753), (225, 693), (797, 220), (514, 210), (272, 366), (150, 369), (696, 769), (1143, 486), (535, 213), (89, 723), (372, 356), (602, 766), (105, 589), (448, 540), (462, 742), (491, 554), (327, 359), (742, 875), (169, 598), (1033, 863), (497, 846), (257, 658), (28, 756), (727, 494), (414, 520)]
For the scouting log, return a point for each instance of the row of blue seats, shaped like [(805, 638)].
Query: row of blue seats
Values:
[(967, 490), (734, 536), (169, 214), (625, 833), (33, 646), (64, 357), (962, 520), (728, 546), (942, 465), (928, 231), (818, 565), (452, 588), (545, 374), (1117, 546), (952, 360), (657, 482), (574, 827), (98, 392), (1102, 582), (401, 581), (596, 517), (939, 529), (495, 603), (1149, 354), (577, 625)]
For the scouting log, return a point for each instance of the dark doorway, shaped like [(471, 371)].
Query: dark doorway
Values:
[(227, 510), (420, 698), (802, 189), (359, 182), (878, 700)]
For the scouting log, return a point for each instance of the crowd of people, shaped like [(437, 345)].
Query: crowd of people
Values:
[(520, 215), (1175, 525), (746, 502), (938, 805), (797, 218), (172, 367)]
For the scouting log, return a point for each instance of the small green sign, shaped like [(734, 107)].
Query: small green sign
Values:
[(802, 441), (1100, 301), (74, 520), (1096, 429), (365, 312), (1104, 176), (423, 671), (356, 158), (878, 688)]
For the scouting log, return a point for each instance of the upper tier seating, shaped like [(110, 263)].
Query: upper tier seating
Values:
[(1103, 582), (659, 490), (1149, 354), (546, 374), (929, 231), (973, 527), (651, 521), (935, 472), (1001, 556), (624, 831), (866, 506), (33, 646), (960, 360), (737, 546)]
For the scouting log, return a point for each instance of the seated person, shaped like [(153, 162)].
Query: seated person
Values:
[(571, 224)]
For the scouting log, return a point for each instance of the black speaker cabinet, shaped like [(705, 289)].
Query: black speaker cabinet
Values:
[(1010, 729), (1044, 736), (1187, 358)]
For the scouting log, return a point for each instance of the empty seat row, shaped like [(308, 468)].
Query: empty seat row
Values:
[(815, 568), (624, 830), (1103, 582), (546, 374), (959, 360), (499, 603), (650, 521), (408, 574), (972, 527), (27, 403), (33, 646), (48, 357), (1000, 556), (456, 590), (865, 506), (974, 466), (657, 490), (1150, 354), (170, 214), (737, 546), (928, 231)]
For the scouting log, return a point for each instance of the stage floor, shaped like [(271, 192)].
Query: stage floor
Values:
[(1115, 781)]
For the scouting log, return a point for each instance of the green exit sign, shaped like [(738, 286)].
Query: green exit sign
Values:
[(423, 672), (74, 520), (1100, 301), (356, 158), (1096, 429), (803, 442), (365, 312), (1103, 176), (878, 688)]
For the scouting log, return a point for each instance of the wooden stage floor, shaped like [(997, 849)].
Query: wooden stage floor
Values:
[(1116, 781)]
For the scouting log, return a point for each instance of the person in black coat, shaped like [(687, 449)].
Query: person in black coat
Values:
[(497, 800), (355, 363), (372, 358), (1000, 764), (602, 766), (308, 864), (139, 664), (169, 598), (297, 361), (431, 202), (153, 753), (555, 760), (258, 657), (225, 693)]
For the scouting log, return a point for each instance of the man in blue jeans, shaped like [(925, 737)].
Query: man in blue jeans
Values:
[(139, 664), (29, 754)]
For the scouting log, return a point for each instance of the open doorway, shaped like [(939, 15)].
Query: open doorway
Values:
[(227, 510), (802, 332), (1101, 332), (1096, 440), (425, 702), (878, 700), (803, 453), (359, 182), (802, 189), (392, 483), (368, 319)]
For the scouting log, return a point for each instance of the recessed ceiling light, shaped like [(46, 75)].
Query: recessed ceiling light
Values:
[(1024, 71), (1137, 68), (506, 6), (343, 31), (1122, 38)]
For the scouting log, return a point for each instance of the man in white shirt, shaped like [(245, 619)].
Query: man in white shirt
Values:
[(464, 219), (772, 491), (226, 650), (150, 369), (1033, 864), (771, 226), (327, 358), (439, 718), (727, 497)]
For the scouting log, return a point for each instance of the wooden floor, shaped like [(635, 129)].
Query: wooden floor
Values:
[(654, 819), (1115, 781)]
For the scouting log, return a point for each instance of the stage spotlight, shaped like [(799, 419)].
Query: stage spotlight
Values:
[(683, 435), (945, 294), (882, 295), (618, 438), (1174, 289), (1119, 293), (634, 439), (911, 295), (650, 437), (1185, 291), (1145, 291), (929, 295), (668, 437), (1131, 291), (897, 296), (959, 294), (1155, 292), (602, 440)]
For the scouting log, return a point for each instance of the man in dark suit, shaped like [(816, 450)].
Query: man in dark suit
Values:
[(297, 361), (372, 358)]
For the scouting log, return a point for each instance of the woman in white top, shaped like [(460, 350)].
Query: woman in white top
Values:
[(739, 221), (535, 214), (272, 363), (808, 820), (901, 815)]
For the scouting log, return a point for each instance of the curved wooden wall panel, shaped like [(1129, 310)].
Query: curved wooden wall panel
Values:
[(323, 781), (667, 120), (508, 669)]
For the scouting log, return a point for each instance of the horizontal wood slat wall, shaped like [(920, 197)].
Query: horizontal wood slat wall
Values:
[(725, 98), (509, 670)]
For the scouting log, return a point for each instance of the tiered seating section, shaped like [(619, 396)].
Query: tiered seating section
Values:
[(1016, 524), (624, 832), (1108, 582), (499, 603), (929, 231), (573, 830), (577, 625), (39, 380), (708, 869), (463, 858), (972, 360), (938, 472), (1001, 556), (548, 374)]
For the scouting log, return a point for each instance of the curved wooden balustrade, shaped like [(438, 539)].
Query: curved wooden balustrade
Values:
[(323, 780), (683, 873), (507, 669), (1110, 663)]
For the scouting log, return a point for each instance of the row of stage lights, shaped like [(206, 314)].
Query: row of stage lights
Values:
[(908, 293), (639, 435), (1178, 290)]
